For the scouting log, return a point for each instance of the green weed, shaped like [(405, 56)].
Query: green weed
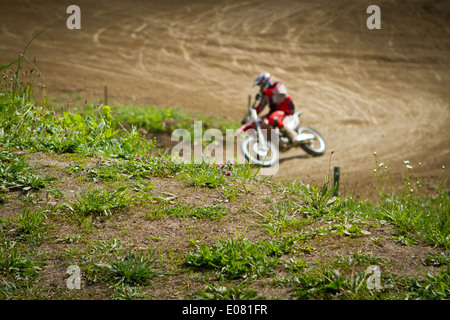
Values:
[(431, 287), (131, 270), (203, 175), (32, 225), (126, 292), (235, 258), (281, 217), (437, 259), (101, 202), (104, 247), (416, 216), (15, 263), (318, 200)]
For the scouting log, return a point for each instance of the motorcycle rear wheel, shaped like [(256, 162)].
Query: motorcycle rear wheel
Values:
[(314, 147), (255, 154)]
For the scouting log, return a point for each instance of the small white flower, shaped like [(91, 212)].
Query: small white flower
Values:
[(409, 167), (406, 162), (375, 153), (381, 164), (374, 170)]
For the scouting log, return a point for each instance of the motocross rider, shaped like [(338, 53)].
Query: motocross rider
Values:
[(274, 94)]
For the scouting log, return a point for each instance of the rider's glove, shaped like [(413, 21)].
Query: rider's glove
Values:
[(258, 95)]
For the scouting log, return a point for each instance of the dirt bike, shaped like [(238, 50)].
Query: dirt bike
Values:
[(263, 143)]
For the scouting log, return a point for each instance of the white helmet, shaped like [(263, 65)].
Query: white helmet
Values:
[(263, 79)]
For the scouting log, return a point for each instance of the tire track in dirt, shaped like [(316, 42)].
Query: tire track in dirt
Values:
[(381, 90)]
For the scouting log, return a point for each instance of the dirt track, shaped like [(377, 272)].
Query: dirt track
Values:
[(365, 90)]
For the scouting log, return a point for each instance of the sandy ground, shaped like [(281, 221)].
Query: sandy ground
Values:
[(366, 91)]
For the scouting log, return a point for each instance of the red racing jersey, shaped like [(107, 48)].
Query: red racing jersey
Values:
[(278, 99)]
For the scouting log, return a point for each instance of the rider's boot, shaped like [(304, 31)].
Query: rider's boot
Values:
[(291, 134)]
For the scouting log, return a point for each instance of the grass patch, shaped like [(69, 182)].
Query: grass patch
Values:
[(238, 258), (14, 263), (131, 270), (16, 174), (418, 217), (100, 202)]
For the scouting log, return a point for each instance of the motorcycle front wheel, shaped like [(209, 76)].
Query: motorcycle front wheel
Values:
[(315, 147), (257, 153)]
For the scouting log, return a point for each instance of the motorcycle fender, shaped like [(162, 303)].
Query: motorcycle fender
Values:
[(305, 136), (245, 127)]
